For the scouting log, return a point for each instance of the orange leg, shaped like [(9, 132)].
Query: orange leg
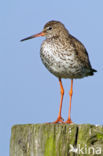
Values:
[(60, 119), (70, 94)]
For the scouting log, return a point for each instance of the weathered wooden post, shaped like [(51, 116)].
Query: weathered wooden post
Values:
[(56, 140)]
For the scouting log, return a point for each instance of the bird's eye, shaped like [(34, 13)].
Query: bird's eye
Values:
[(49, 28)]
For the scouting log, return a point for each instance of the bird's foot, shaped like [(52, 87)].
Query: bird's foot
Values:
[(69, 121), (59, 120)]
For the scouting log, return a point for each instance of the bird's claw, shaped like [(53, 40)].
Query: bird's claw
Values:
[(59, 119), (69, 121)]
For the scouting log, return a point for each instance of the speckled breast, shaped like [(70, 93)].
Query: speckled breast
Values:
[(59, 61)]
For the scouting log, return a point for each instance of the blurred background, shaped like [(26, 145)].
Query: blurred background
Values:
[(28, 92)]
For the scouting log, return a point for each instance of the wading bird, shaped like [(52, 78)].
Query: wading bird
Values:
[(64, 56)]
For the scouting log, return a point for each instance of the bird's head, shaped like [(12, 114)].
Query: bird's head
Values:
[(55, 29), (50, 30)]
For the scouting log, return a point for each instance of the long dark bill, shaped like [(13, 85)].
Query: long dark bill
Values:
[(33, 36)]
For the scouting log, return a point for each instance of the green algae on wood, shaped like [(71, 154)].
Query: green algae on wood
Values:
[(53, 139)]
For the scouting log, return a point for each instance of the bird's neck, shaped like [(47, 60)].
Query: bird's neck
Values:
[(56, 39)]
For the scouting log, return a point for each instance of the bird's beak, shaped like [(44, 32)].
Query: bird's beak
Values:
[(33, 36)]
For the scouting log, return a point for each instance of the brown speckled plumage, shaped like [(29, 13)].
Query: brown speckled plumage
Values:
[(63, 54)]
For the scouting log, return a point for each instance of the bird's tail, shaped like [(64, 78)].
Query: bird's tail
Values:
[(92, 71)]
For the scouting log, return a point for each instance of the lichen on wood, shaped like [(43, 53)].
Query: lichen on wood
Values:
[(55, 139)]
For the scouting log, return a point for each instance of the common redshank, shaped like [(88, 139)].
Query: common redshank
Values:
[(65, 57)]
